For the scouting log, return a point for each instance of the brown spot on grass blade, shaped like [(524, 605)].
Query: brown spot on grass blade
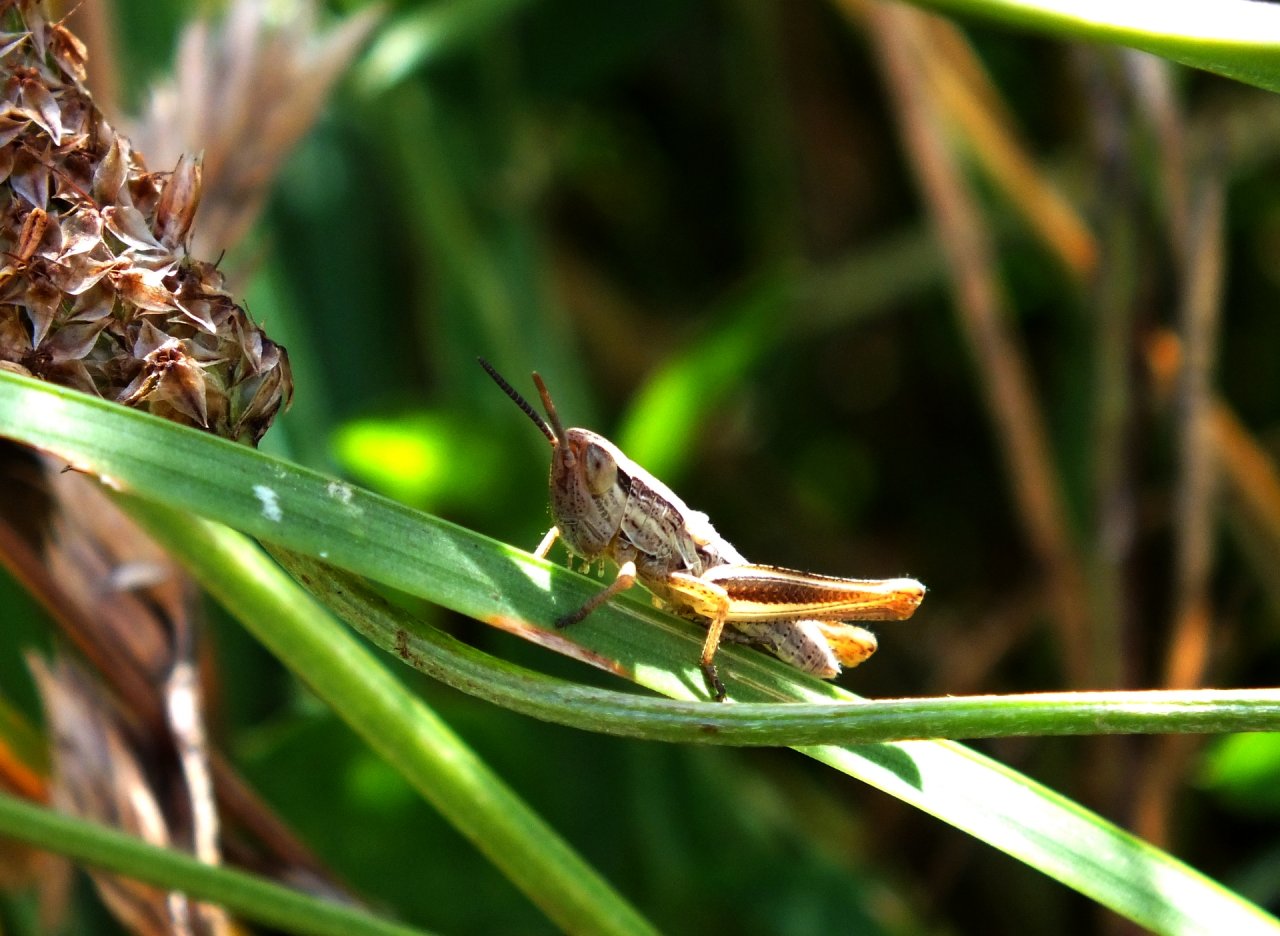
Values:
[(405, 651), (556, 641)]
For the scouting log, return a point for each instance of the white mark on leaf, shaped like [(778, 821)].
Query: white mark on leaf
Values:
[(270, 502)]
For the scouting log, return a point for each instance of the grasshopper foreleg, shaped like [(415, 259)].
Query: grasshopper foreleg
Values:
[(548, 541), (626, 578)]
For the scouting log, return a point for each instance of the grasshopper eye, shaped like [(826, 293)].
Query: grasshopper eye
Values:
[(600, 469)]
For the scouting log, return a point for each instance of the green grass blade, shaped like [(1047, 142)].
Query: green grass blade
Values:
[(677, 402), (424, 36), (394, 722), (827, 717), (244, 894), (1236, 38), (1003, 808), (325, 655), (1071, 844)]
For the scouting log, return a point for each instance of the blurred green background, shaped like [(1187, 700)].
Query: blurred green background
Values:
[(697, 222)]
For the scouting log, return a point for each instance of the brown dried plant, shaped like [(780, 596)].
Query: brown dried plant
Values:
[(102, 290), (98, 291)]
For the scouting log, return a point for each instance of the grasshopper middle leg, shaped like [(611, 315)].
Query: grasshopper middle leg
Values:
[(705, 599)]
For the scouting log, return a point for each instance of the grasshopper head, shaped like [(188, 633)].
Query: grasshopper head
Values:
[(588, 492)]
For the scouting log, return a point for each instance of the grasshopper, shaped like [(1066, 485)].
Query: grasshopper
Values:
[(605, 505)]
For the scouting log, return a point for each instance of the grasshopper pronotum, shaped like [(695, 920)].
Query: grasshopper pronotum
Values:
[(604, 504)]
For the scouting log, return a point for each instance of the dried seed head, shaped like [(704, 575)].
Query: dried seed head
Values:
[(97, 290)]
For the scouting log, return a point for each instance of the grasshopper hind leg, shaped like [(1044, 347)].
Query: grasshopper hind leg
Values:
[(709, 601)]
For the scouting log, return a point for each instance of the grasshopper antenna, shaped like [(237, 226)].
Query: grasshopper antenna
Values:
[(550, 407), (552, 436)]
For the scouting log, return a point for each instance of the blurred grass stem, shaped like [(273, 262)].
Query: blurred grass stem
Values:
[(1000, 361)]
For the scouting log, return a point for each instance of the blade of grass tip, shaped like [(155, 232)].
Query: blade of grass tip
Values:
[(395, 723), (1235, 38), (1050, 832), (246, 895), (428, 35), (662, 423)]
